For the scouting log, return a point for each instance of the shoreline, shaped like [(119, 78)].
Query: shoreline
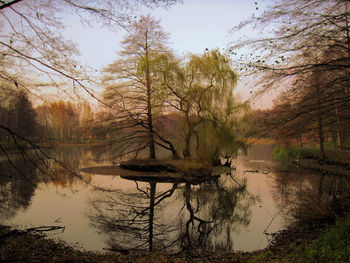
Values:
[(21, 246)]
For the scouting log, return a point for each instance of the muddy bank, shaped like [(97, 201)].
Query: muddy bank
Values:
[(149, 166), (287, 246), (118, 171), (23, 246)]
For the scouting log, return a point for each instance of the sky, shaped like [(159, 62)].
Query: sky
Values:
[(193, 26)]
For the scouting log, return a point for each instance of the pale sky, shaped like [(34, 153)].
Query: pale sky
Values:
[(193, 26)]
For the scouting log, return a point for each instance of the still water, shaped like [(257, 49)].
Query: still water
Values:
[(234, 212)]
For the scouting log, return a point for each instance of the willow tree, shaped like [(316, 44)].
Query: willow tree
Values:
[(201, 90), (133, 87)]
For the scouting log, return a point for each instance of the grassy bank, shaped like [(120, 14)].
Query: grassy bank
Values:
[(337, 161), (329, 244), (294, 153)]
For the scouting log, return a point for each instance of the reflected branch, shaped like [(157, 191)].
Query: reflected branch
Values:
[(125, 216)]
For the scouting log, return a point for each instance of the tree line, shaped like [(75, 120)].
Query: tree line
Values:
[(34, 54), (51, 121), (65, 121), (16, 114), (306, 55)]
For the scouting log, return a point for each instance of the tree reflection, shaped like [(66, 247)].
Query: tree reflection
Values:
[(16, 188), (311, 197), (128, 217), (21, 173), (201, 215), (65, 164), (215, 210)]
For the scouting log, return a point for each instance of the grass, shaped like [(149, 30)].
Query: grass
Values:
[(332, 246), (294, 153)]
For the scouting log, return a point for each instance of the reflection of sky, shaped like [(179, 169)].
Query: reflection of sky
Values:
[(55, 204)]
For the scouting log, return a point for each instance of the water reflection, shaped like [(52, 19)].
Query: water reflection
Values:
[(16, 188), (204, 215), (20, 175), (220, 214), (63, 167), (216, 210), (128, 218), (311, 197)]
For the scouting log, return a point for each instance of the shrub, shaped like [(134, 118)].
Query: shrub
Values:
[(294, 153), (333, 245)]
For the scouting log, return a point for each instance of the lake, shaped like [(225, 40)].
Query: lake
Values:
[(235, 212)]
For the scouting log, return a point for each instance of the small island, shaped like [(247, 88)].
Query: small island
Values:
[(160, 170)]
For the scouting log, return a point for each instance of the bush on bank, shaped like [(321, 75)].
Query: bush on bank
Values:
[(294, 153), (332, 246)]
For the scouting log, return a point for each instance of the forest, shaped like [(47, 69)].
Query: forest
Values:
[(186, 121)]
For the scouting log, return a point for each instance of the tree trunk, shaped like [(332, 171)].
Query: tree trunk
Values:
[(175, 155), (151, 215), (8, 125), (336, 136), (347, 27), (320, 135), (187, 149), (152, 151), (188, 135), (319, 119)]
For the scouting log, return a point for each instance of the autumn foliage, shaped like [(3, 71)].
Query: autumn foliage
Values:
[(65, 121)]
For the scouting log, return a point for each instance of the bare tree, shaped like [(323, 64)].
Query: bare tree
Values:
[(133, 87), (35, 56), (307, 48)]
